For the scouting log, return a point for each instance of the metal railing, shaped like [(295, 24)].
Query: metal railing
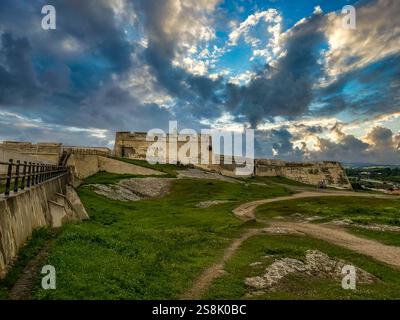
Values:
[(21, 175)]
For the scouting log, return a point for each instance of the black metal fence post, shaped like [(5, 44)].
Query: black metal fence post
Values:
[(8, 181), (28, 182), (37, 171), (23, 176), (16, 181), (40, 173), (33, 173)]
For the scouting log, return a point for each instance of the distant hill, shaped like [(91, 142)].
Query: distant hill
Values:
[(360, 165)]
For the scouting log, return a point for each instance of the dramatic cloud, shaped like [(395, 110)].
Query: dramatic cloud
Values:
[(262, 31), (18, 83), (311, 88), (377, 35), (174, 28), (286, 89)]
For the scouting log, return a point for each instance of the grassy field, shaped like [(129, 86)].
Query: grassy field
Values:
[(296, 286), (154, 249), (364, 210), (150, 249), (280, 180), (387, 237)]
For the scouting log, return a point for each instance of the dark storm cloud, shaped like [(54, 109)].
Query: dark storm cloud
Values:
[(130, 114), (198, 95), (285, 90), (91, 23), (277, 143), (377, 90), (17, 77), (331, 106), (49, 74), (380, 147)]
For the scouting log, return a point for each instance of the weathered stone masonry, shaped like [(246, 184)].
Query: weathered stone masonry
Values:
[(134, 145)]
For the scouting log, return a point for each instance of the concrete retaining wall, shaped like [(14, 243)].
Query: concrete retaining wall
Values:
[(20, 214)]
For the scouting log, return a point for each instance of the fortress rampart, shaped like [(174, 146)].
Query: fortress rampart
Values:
[(134, 145), (327, 173)]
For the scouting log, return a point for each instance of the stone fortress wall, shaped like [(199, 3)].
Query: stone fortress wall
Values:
[(44, 152), (328, 173), (133, 145), (27, 151)]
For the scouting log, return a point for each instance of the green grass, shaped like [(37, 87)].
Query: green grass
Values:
[(280, 180), (151, 249), (167, 168), (26, 253), (154, 249), (359, 210), (385, 237), (296, 286)]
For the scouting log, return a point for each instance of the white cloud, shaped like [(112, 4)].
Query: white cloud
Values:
[(377, 35), (243, 78), (317, 10), (189, 23), (265, 44)]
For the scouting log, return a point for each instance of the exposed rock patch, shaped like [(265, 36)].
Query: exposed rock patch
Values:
[(316, 263), (134, 189), (314, 218), (282, 230), (207, 204)]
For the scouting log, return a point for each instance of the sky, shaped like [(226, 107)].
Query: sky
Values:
[(311, 88)]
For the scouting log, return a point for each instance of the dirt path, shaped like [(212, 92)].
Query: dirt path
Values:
[(337, 236), (22, 289), (246, 210), (202, 283)]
